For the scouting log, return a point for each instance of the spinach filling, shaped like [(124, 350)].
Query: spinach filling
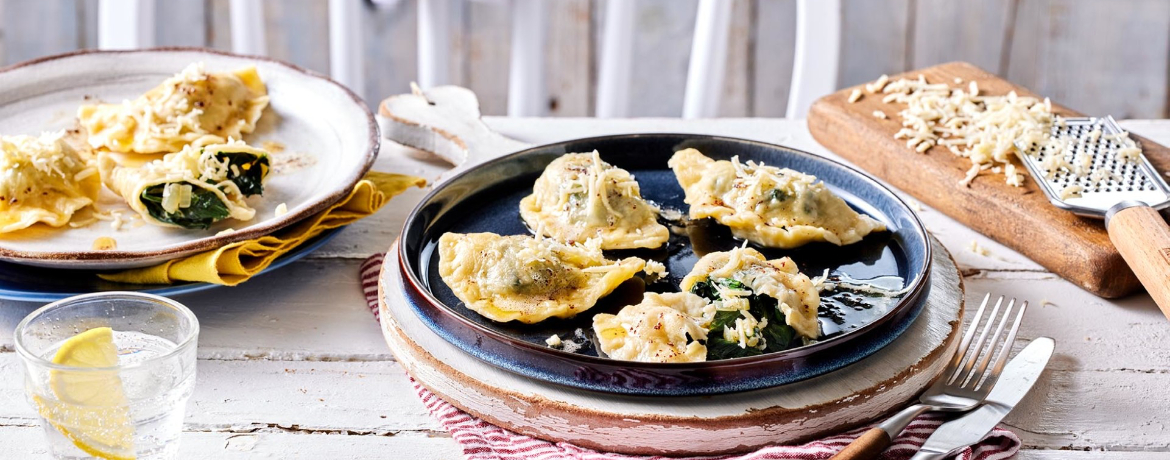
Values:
[(206, 208), (252, 169), (778, 335)]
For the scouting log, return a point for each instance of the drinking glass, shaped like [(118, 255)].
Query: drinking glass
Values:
[(132, 408)]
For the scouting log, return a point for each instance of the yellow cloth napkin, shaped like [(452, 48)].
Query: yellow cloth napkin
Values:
[(235, 263)]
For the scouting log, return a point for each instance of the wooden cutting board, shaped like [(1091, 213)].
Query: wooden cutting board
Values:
[(1076, 248)]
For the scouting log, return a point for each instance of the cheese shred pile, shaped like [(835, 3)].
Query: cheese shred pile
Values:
[(987, 129), (983, 129)]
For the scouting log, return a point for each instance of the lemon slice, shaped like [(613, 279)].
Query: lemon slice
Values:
[(90, 409)]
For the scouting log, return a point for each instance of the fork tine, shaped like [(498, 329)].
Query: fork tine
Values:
[(962, 351), (1001, 360), (977, 374), (969, 358)]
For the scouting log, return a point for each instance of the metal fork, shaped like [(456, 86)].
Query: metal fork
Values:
[(962, 386)]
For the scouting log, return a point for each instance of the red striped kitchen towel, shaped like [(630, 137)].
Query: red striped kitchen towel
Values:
[(483, 441)]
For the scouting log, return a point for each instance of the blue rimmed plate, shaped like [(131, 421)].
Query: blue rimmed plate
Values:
[(34, 284), (485, 199)]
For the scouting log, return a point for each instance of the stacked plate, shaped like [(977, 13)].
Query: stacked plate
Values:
[(327, 137)]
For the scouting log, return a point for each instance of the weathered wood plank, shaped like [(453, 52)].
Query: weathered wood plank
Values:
[(773, 52), (181, 23), (219, 33), (946, 31), (1097, 57), (662, 51), (569, 58), (735, 96), (87, 23), (391, 51), (1073, 318), (298, 32), (1094, 410), (876, 39), (1031, 454), (28, 442), (486, 25), (35, 28)]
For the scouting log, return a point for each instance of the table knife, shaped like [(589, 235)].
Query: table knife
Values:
[(1017, 379)]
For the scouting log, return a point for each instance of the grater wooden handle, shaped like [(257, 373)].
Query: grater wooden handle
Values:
[(1143, 239)]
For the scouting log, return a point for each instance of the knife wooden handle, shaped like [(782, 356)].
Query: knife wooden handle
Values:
[(1143, 239), (866, 447)]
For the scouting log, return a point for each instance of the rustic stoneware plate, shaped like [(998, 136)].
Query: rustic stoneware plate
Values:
[(326, 136), (853, 325)]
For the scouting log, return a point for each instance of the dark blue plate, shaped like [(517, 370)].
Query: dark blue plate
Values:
[(35, 284), (485, 199)]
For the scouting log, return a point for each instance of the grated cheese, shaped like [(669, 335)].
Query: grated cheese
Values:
[(1014, 179), (1072, 191), (878, 85), (281, 209), (1129, 153), (879, 114), (855, 96), (983, 129), (977, 249), (655, 270), (819, 281), (971, 173)]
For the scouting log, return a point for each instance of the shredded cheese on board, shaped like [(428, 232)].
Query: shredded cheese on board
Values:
[(986, 130)]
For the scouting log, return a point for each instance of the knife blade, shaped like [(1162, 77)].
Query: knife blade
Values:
[(1018, 377)]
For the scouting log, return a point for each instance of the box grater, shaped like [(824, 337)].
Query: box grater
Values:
[(1128, 180), (1126, 192)]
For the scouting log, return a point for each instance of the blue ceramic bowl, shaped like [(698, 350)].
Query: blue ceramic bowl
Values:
[(486, 199)]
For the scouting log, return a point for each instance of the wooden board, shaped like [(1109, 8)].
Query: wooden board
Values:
[(738, 422), (1076, 248)]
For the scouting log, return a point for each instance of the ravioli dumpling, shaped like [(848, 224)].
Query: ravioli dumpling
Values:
[(663, 328), (192, 188), (527, 279), (193, 107), (579, 197), (769, 206), (43, 179), (742, 272)]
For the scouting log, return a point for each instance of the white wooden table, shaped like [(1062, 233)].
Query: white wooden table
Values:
[(292, 365)]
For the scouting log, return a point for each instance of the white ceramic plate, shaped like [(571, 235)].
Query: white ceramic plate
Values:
[(329, 137)]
